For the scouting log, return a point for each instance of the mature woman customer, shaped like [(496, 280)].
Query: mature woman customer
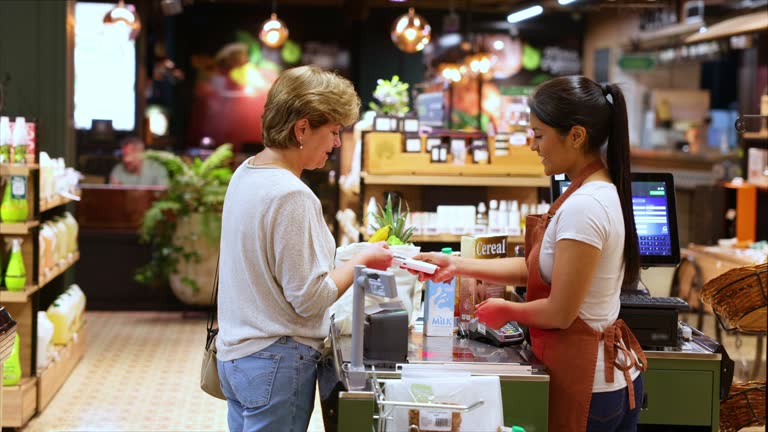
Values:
[(277, 278)]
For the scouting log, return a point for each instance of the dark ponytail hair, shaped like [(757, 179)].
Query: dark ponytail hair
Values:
[(569, 101)]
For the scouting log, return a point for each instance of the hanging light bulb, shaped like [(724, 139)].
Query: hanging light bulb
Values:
[(273, 33), (123, 19), (449, 72), (479, 65), (410, 32)]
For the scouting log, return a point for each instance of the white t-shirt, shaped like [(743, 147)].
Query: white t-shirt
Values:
[(592, 215)]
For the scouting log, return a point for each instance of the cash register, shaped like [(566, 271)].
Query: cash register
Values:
[(653, 320)]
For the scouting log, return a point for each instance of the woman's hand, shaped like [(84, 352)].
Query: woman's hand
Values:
[(493, 312), (446, 266), (377, 256)]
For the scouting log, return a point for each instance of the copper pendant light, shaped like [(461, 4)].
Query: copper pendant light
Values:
[(123, 15), (410, 32), (273, 32)]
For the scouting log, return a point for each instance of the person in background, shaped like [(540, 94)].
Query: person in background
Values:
[(277, 277), (134, 170), (578, 255)]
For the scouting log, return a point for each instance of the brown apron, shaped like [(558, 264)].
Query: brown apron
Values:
[(571, 354)]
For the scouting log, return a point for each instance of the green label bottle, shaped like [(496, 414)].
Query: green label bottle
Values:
[(12, 367), (16, 273), (14, 207)]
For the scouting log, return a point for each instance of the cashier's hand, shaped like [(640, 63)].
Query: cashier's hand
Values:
[(493, 312), (446, 266), (377, 256)]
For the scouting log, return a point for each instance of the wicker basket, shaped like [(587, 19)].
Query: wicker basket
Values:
[(740, 296), (745, 406)]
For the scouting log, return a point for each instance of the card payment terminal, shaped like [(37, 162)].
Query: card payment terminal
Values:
[(509, 334)]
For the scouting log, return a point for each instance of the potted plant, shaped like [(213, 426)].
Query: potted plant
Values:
[(184, 226)]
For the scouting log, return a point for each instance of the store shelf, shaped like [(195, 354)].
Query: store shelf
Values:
[(53, 377), (18, 228), (433, 180), (57, 201), (755, 135), (446, 238), (19, 403), (45, 278), (59, 268), (17, 169)]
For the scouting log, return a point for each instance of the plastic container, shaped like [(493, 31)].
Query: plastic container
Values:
[(66, 313)]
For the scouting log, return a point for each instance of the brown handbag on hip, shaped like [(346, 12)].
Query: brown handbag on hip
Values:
[(209, 373)]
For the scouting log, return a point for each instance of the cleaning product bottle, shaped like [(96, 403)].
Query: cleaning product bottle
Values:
[(14, 206), (12, 366), (439, 306), (16, 273), (6, 140), (20, 141)]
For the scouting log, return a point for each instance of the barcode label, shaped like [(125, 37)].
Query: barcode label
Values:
[(435, 420)]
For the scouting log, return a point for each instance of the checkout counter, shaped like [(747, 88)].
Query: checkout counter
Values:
[(682, 384), (110, 217)]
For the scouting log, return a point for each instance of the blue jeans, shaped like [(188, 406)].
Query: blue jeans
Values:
[(609, 411), (271, 390)]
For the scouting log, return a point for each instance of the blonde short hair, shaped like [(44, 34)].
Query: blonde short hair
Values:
[(306, 92)]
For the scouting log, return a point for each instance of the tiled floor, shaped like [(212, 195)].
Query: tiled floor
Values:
[(141, 373)]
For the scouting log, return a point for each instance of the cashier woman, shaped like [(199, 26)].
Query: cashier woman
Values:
[(577, 257), (277, 278)]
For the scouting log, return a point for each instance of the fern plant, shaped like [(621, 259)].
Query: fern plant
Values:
[(194, 187)]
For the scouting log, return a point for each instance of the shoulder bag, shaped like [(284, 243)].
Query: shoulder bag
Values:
[(209, 373)]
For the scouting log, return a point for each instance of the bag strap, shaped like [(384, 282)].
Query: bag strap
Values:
[(214, 305)]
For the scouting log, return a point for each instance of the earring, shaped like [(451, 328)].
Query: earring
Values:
[(301, 147)]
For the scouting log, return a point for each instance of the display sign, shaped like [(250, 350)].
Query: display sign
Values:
[(637, 62)]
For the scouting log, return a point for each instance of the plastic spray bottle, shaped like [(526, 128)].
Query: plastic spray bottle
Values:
[(14, 206), (16, 273)]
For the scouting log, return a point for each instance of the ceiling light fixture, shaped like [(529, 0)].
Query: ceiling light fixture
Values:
[(124, 17), (273, 32), (565, 2), (525, 14), (410, 32)]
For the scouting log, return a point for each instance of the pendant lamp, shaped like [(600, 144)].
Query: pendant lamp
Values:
[(410, 32), (124, 16), (273, 32)]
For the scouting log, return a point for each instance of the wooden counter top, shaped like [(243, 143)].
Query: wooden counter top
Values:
[(675, 159)]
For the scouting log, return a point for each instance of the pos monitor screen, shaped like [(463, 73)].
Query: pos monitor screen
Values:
[(653, 205)]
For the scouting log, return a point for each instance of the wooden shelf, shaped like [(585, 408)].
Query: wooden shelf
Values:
[(18, 228), (446, 238), (19, 402), (456, 180), (755, 135), (57, 201), (53, 377), (17, 169), (45, 278)]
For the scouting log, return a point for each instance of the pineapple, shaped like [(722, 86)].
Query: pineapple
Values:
[(397, 234)]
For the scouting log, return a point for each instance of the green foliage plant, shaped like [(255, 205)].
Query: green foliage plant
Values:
[(392, 96), (195, 187)]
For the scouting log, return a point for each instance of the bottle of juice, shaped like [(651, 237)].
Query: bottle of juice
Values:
[(16, 273), (14, 206)]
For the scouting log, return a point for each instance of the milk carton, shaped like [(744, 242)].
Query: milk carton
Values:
[(471, 290), (439, 306)]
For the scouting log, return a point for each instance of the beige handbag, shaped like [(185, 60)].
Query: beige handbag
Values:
[(209, 373)]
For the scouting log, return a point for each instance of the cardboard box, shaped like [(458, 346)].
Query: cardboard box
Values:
[(471, 290)]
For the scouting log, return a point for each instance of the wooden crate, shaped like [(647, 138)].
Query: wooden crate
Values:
[(53, 377), (384, 154), (19, 403)]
